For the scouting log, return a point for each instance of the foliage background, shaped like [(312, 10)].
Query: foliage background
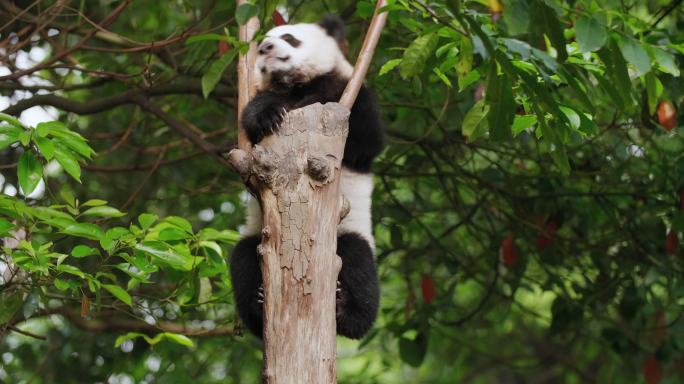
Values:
[(527, 235)]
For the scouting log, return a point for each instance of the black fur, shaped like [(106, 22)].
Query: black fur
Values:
[(357, 302), (334, 26), (264, 113), (245, 273), (358, 299)]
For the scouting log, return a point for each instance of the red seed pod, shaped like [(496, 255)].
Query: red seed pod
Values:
[(548, 236), (509, 253), (671, 243), (427, 285), (278, 19), (223, 47), (653, 371), (667, 115)]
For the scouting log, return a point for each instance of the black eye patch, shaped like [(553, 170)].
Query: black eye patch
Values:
[(291, 40)]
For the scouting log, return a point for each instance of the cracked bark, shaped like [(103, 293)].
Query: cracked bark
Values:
[(295, 175)]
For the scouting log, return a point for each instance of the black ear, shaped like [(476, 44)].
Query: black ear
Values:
[(334, 26)]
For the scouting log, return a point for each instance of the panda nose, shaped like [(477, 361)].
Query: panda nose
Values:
[(265, 48)]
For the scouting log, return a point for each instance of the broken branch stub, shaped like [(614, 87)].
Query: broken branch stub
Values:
[(296, 176)]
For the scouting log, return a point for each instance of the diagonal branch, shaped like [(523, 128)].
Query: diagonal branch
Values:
[(365, 56), (181, 128), (246, 84), (103, 104)]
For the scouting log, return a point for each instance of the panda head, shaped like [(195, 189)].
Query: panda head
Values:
[(298, 53)]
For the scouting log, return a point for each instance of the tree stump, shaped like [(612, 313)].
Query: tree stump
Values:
[(295, 176)]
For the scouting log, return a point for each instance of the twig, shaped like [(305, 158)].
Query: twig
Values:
[(246, 84), (105, 103), (26, 333), (105, 22), (667, 11), (144, 181), (365, 56), (182, 129)]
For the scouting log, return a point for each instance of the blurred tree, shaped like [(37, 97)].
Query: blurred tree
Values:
[(529, 206)]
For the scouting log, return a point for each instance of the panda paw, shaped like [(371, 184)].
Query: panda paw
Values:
[(260, 295), (341, 298), (262, 118)]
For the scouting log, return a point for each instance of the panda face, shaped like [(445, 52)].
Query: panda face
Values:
[(296, 54)]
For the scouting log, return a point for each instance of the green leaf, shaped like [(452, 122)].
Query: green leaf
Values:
[(29, 172), (245, 12), (46, 147), (5, 227), (103, 211), (473, 120), (60, 284), (10, 304), (499, 97), (572, 115), (413, 352), (179, 339), (70, 269), (94, 203), (171, 234), (31, 304), (68, 162), (635, 54), (83, 251), (666, 61), (11, 120), (544, 20), (225, 236), (616, 70), (167, 255), (25, 138), (654, 88), (208, 37), (521, 123), (587, 125), (590, 34), (468, 80), (516, 16), (388, 66), (464, 66), (212, 245), (442, 76), (85, 230), (417, 54), (213, 74), (179, 222), (119, 293), (8, 135), (147, 219), (65, 136)]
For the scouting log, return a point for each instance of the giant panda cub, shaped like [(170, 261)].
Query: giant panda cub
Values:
[(298, 65)]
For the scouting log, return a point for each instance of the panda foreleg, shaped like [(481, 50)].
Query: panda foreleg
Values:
[(359, 293), (263, 115), (246, 276)]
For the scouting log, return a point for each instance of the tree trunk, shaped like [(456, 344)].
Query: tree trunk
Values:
[(295, 175)]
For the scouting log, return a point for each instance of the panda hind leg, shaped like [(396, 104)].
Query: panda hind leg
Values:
[(246, 276), (358, 293)]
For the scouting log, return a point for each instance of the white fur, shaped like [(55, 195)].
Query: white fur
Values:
[(254, 221), (317, 54), (356, 187)]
